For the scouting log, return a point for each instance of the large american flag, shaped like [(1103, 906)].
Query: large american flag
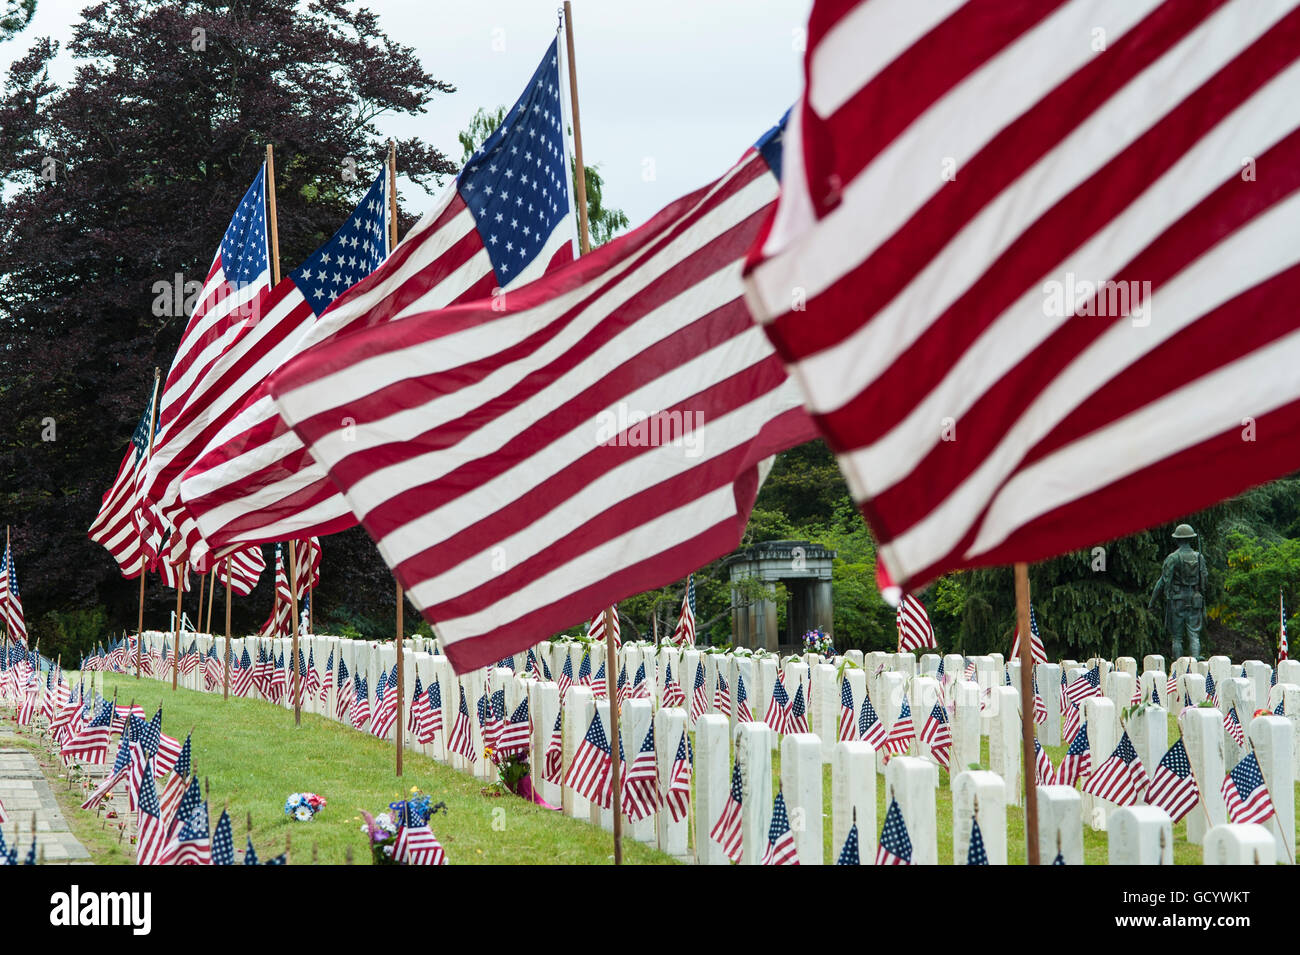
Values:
[(914, 629), (505, 221), (232, 300), (119, 526), (978, 259), (606, 430), (11, 602)]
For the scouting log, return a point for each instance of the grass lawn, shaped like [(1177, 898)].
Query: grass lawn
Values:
[(253, 757)]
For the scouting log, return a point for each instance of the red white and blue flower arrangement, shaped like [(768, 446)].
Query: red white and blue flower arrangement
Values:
[(302, 807)]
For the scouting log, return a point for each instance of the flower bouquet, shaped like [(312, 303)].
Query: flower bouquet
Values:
[(381, 829), (302, 807), (818, 641), (515, 775)]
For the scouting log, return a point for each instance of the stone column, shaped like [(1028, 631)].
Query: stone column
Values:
[(979, 794), (853, 795), (801, 782), (1141, 835)]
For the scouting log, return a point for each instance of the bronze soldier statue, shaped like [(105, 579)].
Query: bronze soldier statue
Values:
[(1183, 580)]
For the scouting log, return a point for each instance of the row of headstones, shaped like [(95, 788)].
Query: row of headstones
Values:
[(1211, 749)]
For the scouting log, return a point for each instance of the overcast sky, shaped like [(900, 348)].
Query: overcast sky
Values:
[(671, 91)]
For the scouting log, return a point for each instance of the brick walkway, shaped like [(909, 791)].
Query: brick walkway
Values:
[(24, 791)]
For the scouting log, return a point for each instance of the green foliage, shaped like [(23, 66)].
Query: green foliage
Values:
[(70, 633), (14, 17), (1258, 570)]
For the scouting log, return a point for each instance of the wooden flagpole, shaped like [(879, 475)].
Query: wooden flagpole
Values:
[(225, 692), (273, 222), (584, 244), (399, 638), (296, 681), (1026, 707), (198, 620), (182, 572), (580, 170), (153, 416), (212, 593)]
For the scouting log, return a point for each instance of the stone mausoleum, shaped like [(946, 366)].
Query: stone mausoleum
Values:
[(805, 569)]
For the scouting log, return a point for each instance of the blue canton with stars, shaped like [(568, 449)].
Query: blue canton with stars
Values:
[(243, 247), (517, 185), (356, 250)]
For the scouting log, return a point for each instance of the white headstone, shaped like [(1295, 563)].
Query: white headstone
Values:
[(912, 781), (1005, 741), (979, 794), (755, 759), (1148, 729), (1202, 729), (1272, 738), (1049, 688), (579, 706), (1100, 715), (825, 713), (670, 721), (1153, 661), (712, 784), (853, 795), (1060, 825), (801, 781), (965, 724), (1240, 844), (1140, 835)]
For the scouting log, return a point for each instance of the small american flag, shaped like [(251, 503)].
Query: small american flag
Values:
[(899, 738), (672, 692), (722, 695), (743, 713), (871, 729), (641, 785), (191, 845), (1040, 705), (699, 702), (849, 854), (1211, 691), (554, 755), (566, 676), (914, 629), (151, 835), (798, 713), (1245, 794), (684, 635), (1121, 777), (1171, 687), (11, 604), (223, 842), (1233, 725), (1036, 651), (431, 715), (1085, 685), (777, 715), (346, 694), (1281, 629), (1077, 762), (1173, 787), (418, 707), (1073, 720), (848, 726), (596, 628), (640, 688), (415, 843), (589, 774), (726, 831), (976, 853), (385, 704), (1044, 774), (936, 732), (460, 740), (584, 669), (516, 734), (678, 796), (780, 839), (360, 702), (895, 844)]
